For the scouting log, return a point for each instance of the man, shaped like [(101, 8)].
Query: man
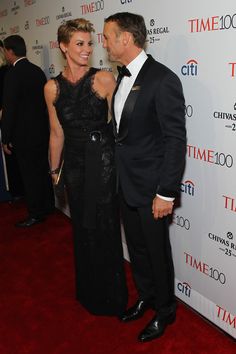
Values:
[(3, 70), (148, 116), (25, 129), (15, 184)]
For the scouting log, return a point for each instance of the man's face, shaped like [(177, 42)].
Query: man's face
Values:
[(9, 55), (113, 41)]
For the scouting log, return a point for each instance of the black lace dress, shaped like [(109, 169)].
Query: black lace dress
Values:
[(90, 180)]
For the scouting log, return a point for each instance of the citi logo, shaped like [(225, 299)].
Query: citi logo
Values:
[(190, 69), (184, 288), (43, 21), (187, 187), (92, 7)]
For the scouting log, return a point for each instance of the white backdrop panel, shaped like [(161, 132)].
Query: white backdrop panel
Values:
[(197, 41)]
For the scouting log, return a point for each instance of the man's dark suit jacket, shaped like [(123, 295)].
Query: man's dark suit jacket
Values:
[(3, 71), (25, 125), (151, 143), (24, 120)]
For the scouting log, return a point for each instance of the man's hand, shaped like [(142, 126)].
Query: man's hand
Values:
[(161, 207), (6, 148)]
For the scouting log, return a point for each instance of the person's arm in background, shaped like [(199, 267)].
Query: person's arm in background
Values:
[(56, 141), (11, 94)]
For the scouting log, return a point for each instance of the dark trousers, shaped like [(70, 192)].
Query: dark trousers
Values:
[(34, 167), (16, 188), (150, 255)]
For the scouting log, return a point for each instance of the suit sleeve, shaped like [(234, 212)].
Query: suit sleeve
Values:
[(2, 74), (11, 93), (170, 108)]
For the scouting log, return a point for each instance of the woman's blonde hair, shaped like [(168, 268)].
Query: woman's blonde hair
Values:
[(66, 30)]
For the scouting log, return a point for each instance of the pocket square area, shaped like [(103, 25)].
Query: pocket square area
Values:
[(136, 88)]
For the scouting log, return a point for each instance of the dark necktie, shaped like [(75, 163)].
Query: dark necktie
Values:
[(122, 71)]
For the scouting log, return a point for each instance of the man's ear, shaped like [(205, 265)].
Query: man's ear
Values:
[(10, 55), (127, 38), (9, 51)]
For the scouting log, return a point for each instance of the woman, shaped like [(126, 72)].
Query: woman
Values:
[(78, 101)]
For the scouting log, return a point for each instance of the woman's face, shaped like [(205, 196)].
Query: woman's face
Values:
[(79, 49)]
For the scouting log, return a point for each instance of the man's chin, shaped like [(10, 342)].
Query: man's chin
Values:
[(111, 58)]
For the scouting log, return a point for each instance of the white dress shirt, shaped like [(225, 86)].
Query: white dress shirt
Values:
[(124, 90), (18, 60), (126, 85)]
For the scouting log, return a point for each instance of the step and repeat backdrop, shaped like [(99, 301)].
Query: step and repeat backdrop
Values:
[(196, 39)]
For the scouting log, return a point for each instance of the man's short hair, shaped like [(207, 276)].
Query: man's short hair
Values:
[(132, 23), (17, 44)]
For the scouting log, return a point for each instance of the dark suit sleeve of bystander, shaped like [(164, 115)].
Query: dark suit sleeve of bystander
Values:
[(11, 92)]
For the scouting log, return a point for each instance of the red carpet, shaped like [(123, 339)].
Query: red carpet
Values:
[(38, 313)]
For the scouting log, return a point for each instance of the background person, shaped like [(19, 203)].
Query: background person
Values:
[(3, 70), (25, 129), (15, 184)]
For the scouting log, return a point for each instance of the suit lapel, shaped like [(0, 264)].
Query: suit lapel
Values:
[(131, 101)]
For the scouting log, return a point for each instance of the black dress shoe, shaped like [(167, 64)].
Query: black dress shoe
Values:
[(136, 311), (29, 222), (156, 327)]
